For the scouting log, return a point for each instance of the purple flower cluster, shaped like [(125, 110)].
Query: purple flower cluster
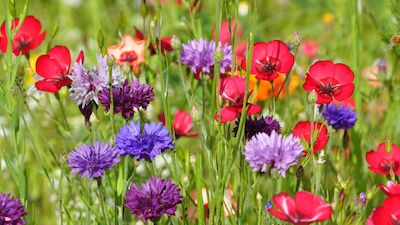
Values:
[(92, 161), (199, 56), (273, 150), (339, 116), (153, 199), (143, 144), (127, 98), (262, 125), (11, 210)]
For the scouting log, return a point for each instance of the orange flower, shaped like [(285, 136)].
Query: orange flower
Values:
[(129, 51), (264, 90)]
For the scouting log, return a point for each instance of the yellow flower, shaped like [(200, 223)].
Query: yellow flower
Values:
[(328, 18)]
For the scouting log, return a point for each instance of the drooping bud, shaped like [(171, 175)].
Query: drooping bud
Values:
[(110, 60), (295, 40), (175, 42), (312, 97)]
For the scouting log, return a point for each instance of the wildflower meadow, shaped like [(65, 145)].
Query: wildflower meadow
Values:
[(245, 112)]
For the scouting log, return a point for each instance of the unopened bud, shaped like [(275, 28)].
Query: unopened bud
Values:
[(196, 115), (55, 30), (361, 199), (295, 40), (110, 60), (218, 55), (312, 97), (259, 196), (175, 42), (381, 64), (100, 39), (126, 69), (63, 157), (395, 40), (300, 172), (143, 10), (12, 8), (185, 179), (342, 195)]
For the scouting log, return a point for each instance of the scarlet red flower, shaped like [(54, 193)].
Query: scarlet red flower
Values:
[(183, 124), (27, 38), (382, 161), (386, 214), (304, 209), (54, 68), (232, 90), (303, 130), (225, 32), (330, 81), (391, 188), (310, 49), (164, 41), (270, 59)]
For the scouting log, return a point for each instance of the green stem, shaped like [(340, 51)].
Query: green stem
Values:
[(110, 77), (102, 198), (62, 111)]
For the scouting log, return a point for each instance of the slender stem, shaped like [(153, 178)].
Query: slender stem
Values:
[(110, 77), (62, 111), (102, 198)]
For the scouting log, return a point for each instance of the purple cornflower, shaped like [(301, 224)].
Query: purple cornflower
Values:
[(153, 199), (11, 210), (143, 144), (275, 150), (263, 125), (87, 84), (339, 116), (128, 97), (92, 161), (199, 56), (361, 199)]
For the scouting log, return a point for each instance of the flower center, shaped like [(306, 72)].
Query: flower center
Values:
[(386, 165), (269, 66), (24, 42), (328, 88), (128, 56)]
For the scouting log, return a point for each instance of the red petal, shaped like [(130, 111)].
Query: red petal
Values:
[(138, 34), (233, 88), (280, 215), (343, 92), (324, 98), (259, 53), (47, 67), (30, 27), (3, 38), (277, 49), (343, 73), (253, 109), (228, 113), (285, 204), (182, 123), (48, 86), (322, 70), (81, 57), (62, 56), (38, 40), (310, 83), (311, 207), (391, 188), (287, 62)]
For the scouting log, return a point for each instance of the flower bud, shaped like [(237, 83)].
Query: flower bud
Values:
[(300, 172), (218, 55), (63, 157), (100, 39), (175, 42), (143, 10), (361, 199), (196, 115), (295, 40), (395, 40), (110, 60), (268, 205), (126, 69), (312, 97), (259, 196)]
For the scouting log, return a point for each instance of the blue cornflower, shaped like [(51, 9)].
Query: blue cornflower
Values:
[(339, 116)]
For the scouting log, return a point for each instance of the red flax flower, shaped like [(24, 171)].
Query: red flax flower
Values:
[(304, 209), (386, 214), (54, 68), (330, 81), (382, 161), (270, 59), (164, 41), (183, 124), (303, 130), (27, 38), (232, 90), (391, 188)]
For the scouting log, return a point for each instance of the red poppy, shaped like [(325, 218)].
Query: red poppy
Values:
[(304, 209), (225, 32), (183, 124), (270, 59), (303, 130), (330, 81), (232, 90), (391, 188), (309, 49), (54, 68), (27, 38), (164, 41), (382, 161), (386, 214)]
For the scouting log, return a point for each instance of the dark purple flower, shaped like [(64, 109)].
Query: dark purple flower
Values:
[(11, 210), (339, 116), (263, 125), (143, 144), (153, 199), (92, 161), (128, 97), (199, 56), (273, 150)]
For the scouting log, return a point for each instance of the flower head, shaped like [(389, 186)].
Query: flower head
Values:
[(86, 84), (153, 199), (388, 213), (92, 161), (128, 97), (262, 125), (382, 161), (182, 124), (130, 51), (391, 188), (339, 116), (225, 31), (27, 38), (143, 144), (165, 42), (199, 56), (273, 150), (330, 81), (11, 210), (302, 130), (270, 59), (304, 209), (54, 68)]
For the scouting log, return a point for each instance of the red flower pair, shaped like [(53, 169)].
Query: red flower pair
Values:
[(304, 209), (182, 124), (302, 130), (382, 161), (232, 89), (54, 68), (270, 59), (330, 81), (27, 38), (386, 214)]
